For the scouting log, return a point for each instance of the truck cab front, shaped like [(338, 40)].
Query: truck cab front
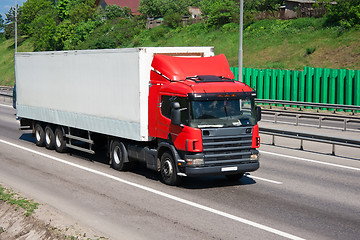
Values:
[(206, 118)]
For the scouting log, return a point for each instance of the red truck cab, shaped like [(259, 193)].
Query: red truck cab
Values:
[(204, 122)]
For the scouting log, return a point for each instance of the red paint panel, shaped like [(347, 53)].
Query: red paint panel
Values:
[(255, 137), (185, 138)]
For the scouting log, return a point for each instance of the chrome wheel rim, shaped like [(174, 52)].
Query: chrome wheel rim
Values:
[(117, 154)]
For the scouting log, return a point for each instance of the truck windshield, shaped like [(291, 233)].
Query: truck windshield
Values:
[(222, 113)]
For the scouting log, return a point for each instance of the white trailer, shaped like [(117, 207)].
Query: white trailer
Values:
[(102, 91)]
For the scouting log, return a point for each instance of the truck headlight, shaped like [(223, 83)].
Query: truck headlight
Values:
[(196, 162), (255, 157)]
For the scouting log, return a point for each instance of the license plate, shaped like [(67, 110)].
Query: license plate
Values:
[(228, 169)]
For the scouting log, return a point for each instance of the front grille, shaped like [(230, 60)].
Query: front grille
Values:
[(220, 149)]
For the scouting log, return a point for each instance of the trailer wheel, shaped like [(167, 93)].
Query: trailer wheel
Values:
[(39, 135), (60, 141), (118, 155), (234, 177), (49, 138), (168, 170)]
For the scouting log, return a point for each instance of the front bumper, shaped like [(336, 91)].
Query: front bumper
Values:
[(222, 170)]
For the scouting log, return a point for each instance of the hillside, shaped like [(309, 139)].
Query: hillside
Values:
[(7, 49), (276, 44)]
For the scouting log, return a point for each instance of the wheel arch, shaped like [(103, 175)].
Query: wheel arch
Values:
[(167, 147)]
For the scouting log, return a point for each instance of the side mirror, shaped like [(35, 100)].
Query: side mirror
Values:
[(175, 113), (258, 113)]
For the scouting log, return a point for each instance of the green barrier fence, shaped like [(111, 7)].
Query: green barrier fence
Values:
[(317, 85)]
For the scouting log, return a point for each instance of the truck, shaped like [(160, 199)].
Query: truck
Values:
[(179, 110)]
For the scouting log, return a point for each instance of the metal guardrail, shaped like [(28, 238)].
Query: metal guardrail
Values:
[(321, 117), (311, 115), (308, 104), (310, 137)]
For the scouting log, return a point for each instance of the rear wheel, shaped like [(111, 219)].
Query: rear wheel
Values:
[(168, 170), (234, 177), (60, 141), (49, 138), (39, 135)]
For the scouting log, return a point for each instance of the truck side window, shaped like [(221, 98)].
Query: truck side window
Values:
[(166, 107)]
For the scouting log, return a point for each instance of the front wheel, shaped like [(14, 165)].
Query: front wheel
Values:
[(168, 170)]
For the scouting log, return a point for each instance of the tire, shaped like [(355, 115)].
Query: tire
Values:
[(168, 170), (60, 141), (39, 135), (49, 138), (234, 177), (118, 155)]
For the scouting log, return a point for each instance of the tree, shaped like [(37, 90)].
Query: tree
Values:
[(1, 23), (42, 30), (115, 11), (262, 5), (81, 10), (160, 8), (9, 27), (219, 12), (345, 13), (63, 8), (31, 10)]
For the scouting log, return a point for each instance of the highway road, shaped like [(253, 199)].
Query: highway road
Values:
[(294, 195)]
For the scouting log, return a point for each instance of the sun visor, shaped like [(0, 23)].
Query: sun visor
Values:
[(179, 68)]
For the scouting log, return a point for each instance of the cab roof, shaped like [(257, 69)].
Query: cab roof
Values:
[(181, 68)]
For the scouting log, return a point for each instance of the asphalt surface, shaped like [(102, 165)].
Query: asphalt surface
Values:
[(295, 194)]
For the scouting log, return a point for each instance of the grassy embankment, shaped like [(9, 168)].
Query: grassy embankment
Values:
[(7, 49), (275, 44)]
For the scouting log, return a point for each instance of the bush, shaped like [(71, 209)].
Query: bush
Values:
[(157, 33), (173, 20)]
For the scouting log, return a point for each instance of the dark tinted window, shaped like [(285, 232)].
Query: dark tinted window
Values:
[(166, 107)]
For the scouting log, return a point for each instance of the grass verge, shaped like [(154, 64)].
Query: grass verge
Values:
[(8, 196)]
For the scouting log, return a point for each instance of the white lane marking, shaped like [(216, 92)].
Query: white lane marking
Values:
[(262, 179), (3, 105), (181, 200), (310, 160)]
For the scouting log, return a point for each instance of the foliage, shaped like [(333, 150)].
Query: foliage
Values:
[(1, 23), (81, 10), (111, 34), (43, 28), (63, 8), (219, 12), (345, 13), (31, 10), (262, 5), (115, 11), (173, 19), (9, 27), (161, 8)]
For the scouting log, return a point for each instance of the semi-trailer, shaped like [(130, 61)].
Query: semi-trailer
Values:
[(178, 109)]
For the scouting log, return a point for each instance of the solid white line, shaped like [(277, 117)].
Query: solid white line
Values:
[(310, 160), (262, 179), (184, 201), (3, 105)]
